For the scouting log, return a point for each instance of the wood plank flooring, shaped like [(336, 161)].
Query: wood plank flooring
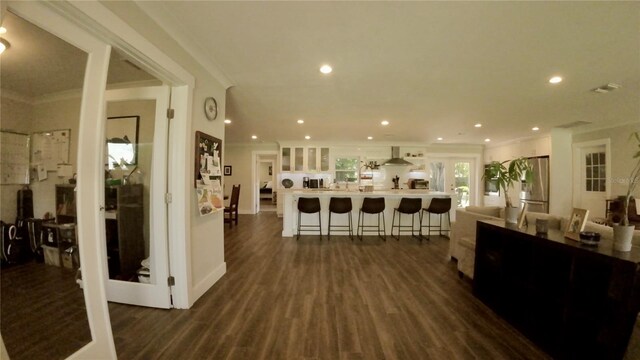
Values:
[(320, 299), (43, 312)]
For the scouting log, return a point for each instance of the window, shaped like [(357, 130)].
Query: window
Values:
[(347, 169), (595, 172)]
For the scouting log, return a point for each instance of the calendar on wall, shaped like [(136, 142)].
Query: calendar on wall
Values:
[(14, 158), (50, 148)]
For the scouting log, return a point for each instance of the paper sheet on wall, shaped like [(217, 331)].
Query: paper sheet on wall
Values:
[(210, 198), (50, 148), (14, 158)]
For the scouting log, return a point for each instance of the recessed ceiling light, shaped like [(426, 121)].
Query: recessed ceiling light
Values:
[(227, 121), (440, 139), (254, 137), (300, 121), (4, 45), (535, 128), (369, 137), (307, 137), (326, 69), (487, 140), (384, 122), (3, 30), (478, 125), (555, 80)]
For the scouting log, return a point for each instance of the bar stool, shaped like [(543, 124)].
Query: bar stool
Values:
[(409, 206), (437, 206), (309, 206), (371, 206), (341, 205)]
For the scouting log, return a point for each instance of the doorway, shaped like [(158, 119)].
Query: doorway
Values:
[(456, 176), (264, 181)]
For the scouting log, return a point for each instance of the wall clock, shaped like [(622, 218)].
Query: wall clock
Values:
[(210, 108)]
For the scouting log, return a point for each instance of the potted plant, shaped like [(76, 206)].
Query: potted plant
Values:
[(623, 232), (504, 174)]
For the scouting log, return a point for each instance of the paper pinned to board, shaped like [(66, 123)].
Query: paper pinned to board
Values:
[(42, 172), (210, 198), (64, 170)]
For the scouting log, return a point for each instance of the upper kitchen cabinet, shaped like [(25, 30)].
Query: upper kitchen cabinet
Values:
[(304, 159)]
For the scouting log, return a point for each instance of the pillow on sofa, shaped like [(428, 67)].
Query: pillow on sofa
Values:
[(485, 210)]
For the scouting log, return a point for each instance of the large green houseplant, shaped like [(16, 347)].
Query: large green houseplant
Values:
[(505, 174), (623, 232)]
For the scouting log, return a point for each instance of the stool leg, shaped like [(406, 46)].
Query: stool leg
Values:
[(329, 228), (384, 227), (358, 228), (393, 223), (350, 227), (320, 224), (399, 225), (298, 238)]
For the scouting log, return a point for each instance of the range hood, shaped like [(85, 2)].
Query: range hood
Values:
[(396, 159)]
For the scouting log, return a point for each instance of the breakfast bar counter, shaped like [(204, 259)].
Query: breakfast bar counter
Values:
[(392, 199)]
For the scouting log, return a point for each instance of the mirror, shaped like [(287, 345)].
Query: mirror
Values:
[(122, 141), (43, 309)]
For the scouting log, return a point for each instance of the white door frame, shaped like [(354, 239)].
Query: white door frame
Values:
[(258, 180), (93, 28), (255, 193), (577, 149)]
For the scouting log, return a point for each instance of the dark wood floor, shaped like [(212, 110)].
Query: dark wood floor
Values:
[(43, 312), (313, 299)]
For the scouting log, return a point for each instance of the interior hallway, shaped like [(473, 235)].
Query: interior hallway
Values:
[(288, 299)]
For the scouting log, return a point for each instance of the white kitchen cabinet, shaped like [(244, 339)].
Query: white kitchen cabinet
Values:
[(305, 159)]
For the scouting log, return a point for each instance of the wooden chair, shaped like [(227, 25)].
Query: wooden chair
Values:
[(231, 212)]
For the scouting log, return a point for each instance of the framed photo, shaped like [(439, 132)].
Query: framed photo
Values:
[(523, 215), (270, 170), (576, 223), (227, 170), (208, 153)]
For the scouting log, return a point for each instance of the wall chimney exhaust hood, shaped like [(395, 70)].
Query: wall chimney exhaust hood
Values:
[(396, 159)]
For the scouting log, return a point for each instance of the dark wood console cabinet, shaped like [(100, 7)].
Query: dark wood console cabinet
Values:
[(572, 300)]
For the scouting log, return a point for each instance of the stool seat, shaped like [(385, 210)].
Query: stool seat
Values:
[(341, 205), (409, 206), (309, 205), (437, 206), (374, 206)]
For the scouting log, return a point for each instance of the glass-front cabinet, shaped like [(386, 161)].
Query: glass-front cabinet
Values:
[(324, 159), (312, 161), (285, 160), (304, 158), (299, 159)]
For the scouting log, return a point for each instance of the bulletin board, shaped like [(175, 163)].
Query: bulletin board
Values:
[(14, 158), (50, 148)]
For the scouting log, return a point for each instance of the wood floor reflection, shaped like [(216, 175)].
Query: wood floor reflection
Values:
[(338, 299), (43, 312)]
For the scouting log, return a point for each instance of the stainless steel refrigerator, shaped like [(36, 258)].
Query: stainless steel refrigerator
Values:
[(536, 193)]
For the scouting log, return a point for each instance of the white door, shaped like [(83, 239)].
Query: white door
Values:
[(591, 188), (454, 176), (136, 212)]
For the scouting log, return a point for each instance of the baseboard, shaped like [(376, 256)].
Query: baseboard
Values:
[(205, 284)]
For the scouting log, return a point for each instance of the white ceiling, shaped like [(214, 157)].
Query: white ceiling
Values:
[(39, 63), (431, 68)]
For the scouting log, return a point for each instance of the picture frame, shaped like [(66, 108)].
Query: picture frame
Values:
[(523, 215), (227, 170), (122, 140), (576, 223), (270, 170), (208, 155)]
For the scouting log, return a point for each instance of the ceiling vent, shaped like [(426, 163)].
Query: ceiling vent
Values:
[(606, 88), (574, 124), (395, 158)]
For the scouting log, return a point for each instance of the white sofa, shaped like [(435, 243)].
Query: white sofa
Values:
[(462, 243)]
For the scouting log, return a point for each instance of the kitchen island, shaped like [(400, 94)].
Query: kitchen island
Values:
[(392, 199)]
